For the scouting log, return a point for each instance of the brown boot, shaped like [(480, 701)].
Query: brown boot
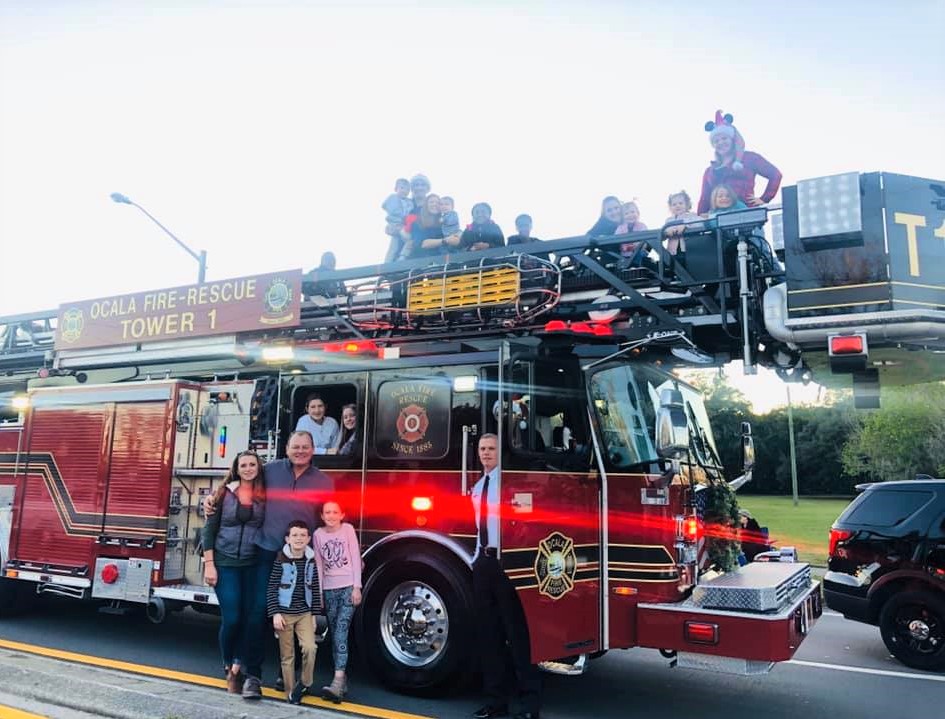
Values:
[(336, 691), (234, 680)]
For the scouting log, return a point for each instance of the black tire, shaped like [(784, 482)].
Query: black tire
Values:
[(438, 588), (913, 628)]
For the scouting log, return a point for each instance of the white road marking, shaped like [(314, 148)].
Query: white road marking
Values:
[(865, 670)]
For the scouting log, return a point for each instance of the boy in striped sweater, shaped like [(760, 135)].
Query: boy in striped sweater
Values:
[(292, 597)]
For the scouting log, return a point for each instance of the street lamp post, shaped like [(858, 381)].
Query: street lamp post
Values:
[(201, 257), (790, 420)]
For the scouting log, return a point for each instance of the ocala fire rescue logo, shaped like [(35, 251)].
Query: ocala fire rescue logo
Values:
[(412, 423), (277, 299), (555, 565), (73, 322)]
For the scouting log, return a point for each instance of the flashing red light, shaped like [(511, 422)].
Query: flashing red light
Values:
[(847, 345), (352, 347), (110, 573), (602, 329), (421, 504), (556, 326), (582, 327), (837, 536), (691, 529), (702, 632)]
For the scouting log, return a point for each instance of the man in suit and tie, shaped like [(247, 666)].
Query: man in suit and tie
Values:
[(507, 670)]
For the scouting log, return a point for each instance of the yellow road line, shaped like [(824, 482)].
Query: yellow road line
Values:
[(362, 709), (11, 713)]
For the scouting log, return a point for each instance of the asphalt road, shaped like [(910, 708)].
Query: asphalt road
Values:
[(842, 670)]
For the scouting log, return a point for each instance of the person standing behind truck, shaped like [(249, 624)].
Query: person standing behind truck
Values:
[(295, 490), (229, 556)]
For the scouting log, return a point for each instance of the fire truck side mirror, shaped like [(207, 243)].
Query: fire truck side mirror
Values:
[(672, 429), (748, 447)]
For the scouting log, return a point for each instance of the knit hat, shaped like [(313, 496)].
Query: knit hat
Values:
[(722, 125)]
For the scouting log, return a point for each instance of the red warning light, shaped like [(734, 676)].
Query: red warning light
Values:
[(846, 345), (421, 504), (110, 573), (691, 529)]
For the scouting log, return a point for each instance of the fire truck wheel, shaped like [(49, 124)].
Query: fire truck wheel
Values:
[(414, 628), (913, 627)]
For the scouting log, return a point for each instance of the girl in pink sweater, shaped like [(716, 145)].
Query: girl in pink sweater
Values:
[(338, 557)]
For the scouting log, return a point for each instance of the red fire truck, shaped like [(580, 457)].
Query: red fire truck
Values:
[(128, 410)]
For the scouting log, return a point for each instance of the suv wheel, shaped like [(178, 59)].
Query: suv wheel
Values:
[(913, 628)]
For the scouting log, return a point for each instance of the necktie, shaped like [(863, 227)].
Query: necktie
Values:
[(484, 515)]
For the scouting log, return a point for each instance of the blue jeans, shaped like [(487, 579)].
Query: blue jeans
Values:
[(257, 639), (237, 593)]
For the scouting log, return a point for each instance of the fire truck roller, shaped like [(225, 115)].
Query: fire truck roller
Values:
[(567, 353)]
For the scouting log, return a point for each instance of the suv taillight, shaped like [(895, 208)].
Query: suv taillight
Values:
[(837, 536)]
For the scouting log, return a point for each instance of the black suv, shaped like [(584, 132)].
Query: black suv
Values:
[(887, 567)]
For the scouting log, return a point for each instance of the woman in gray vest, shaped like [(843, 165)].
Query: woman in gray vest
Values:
[(229, 542)]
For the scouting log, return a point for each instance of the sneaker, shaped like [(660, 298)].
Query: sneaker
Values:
[(252, 688), (298, 691), (279, 684)]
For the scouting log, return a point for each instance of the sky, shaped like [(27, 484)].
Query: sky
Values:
[(269, 132)]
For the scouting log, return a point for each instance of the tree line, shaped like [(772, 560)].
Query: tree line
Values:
[(836, 446)]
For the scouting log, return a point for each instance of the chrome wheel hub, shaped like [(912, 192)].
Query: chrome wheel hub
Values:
[(414, 623), (919, 630)]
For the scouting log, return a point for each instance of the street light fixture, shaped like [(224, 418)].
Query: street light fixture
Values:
[(201, 258)]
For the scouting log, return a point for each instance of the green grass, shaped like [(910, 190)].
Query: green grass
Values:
[(806, 526)]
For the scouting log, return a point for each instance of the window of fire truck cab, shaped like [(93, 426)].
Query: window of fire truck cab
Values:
[(335, 396), (544, 415), (626, 418), (702, 442)]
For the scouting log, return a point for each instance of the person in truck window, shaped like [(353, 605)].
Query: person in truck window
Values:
[(348, 444), (316, 422), (229, 557), (482, 233), (735, 166)]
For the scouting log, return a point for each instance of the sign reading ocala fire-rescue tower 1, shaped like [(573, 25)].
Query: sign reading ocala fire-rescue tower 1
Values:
[(223, 307)]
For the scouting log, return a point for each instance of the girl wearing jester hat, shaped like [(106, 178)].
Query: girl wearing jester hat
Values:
[(734, 166)]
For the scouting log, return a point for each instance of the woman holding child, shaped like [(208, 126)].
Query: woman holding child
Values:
[(229, 541)]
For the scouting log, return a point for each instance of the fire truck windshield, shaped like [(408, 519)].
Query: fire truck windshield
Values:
[(624, 414)]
